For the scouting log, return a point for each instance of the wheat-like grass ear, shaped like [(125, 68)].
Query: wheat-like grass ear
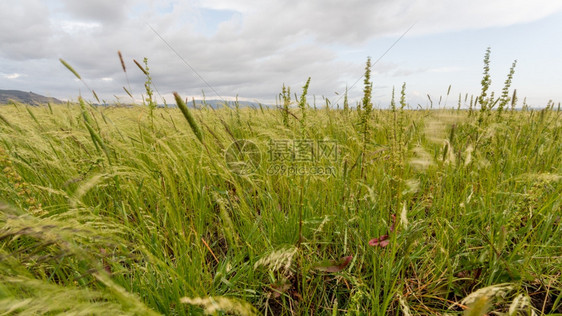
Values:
[(67, 65), (122, 61), (190, 119), (140, 67)]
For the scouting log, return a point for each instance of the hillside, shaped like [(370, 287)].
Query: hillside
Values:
[(25, 97)]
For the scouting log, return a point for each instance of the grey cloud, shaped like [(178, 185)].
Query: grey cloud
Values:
[(24, 29), (356, 21), (99, 10)]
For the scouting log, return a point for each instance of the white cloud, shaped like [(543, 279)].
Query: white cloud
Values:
[(446, 69), (77, 27), (356, 21), (11, 76), (255, 51)]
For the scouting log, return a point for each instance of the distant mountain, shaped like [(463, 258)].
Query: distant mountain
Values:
[(33, 98), (216, 104), (25, 97)]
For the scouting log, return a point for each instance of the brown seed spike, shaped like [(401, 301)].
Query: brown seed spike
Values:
[(140, 67), (122, 62), (96, 96)]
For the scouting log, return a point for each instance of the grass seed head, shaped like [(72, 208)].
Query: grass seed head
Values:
[(67, 65), (278, 259), (190, 119), (214, 305), (122, 61), (140, 67)]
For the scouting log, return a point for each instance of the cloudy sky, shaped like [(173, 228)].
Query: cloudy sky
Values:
[(251, 48)]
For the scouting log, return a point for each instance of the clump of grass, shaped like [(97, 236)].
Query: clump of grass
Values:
[(46, 298), (96, 138), (19, 186)]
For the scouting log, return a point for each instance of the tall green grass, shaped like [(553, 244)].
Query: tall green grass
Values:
[(125, 210)]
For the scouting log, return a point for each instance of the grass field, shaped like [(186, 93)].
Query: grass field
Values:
[(125, 211), (280, 211)]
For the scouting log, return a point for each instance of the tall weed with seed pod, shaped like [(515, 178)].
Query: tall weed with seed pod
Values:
[(365, 108), (303, 105), (483, 99), (149, 100), (366, 104), (285, 97), (504, 99)]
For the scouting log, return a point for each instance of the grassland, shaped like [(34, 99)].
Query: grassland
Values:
[(112, 210)]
